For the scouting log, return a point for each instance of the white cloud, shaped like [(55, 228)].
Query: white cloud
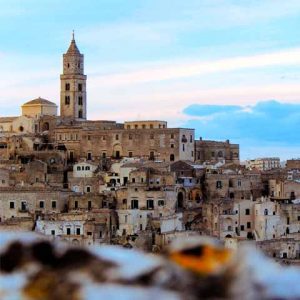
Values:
[(196, 68)]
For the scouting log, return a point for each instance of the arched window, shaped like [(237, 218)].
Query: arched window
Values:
[(46, 126), (67, 86), (172, 157), (87, 168), (78, 168)]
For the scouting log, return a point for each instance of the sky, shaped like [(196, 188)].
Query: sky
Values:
[(228, 68)]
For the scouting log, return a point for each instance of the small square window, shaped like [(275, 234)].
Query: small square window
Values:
[(53, 204), (41, 204), (68, 231), (52, 232), (11, 205)]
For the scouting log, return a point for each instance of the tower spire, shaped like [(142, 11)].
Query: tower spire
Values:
[(73, 35)]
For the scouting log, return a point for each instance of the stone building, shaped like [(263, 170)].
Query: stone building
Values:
[(213, 151), (263, 164), (293, 164), (30, 202)]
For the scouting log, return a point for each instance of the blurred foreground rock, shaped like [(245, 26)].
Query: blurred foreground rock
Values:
[(34, 267)]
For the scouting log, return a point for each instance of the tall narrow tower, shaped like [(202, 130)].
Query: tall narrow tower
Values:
[(73, 85)]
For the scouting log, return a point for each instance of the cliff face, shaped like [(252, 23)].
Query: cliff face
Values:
[(33, 267)]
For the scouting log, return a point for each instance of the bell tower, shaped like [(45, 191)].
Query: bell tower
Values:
[(73, 85)]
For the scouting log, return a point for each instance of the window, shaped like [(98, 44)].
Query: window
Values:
[(68, 231), (67, 100), (212, 154), (53, 204), (89, 205), (23, 206), (103, 155), (89, 156), (11, 205), (248, 225), (172, 157), (151, 157), (191, 138), (89, 233), (80, 87), (265, 212), (128, 126), (87, 168), (160, 202), (134, 204), (136, 126), (100, 234), (67, 86), (239, 183), (219, 184), (80, 114), (130, 153), (78, 231), (117, 137), (133, 180), (88, 189), (220, 154), (247, 211), (41, 204), (130, 136), (124, 201), (172, 136), (172, 145), (141, 226), (183, 147), (287, 220), (79, 100), (242, 227), (150, 204), (52, 232), (78, 168), (76, 204), (151, 126)]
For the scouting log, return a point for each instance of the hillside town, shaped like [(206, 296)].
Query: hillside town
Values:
[(139, 184)]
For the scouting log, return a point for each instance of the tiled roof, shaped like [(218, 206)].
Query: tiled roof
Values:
[(73, 50), (39, 100)]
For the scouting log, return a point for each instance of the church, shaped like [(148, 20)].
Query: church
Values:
[(40, 127)]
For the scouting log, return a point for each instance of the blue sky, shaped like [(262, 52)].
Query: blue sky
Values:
[(166, 60)]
